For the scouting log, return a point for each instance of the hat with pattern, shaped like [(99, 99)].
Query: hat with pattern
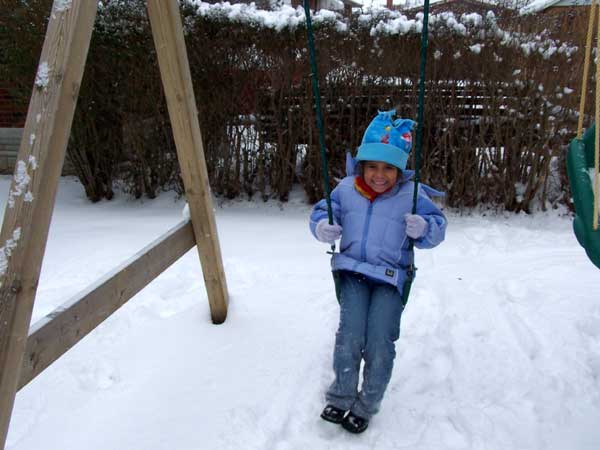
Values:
[(388, 140)]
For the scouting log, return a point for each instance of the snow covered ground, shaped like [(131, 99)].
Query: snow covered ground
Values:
[(500, 342)]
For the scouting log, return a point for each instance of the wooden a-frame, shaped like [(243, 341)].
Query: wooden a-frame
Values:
[(24, 353)]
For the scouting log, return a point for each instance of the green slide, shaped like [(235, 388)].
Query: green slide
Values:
[(580, 161)]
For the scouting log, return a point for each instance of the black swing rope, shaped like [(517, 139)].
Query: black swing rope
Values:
[(410, 271)]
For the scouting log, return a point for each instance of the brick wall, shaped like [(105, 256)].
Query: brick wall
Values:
[(12, 111)]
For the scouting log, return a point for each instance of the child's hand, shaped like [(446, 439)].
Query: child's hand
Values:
[(416, 226), (326, 232)]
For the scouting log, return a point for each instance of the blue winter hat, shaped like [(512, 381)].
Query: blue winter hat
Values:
[(387, 140)]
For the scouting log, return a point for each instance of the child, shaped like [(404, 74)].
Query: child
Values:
[(372, 214)]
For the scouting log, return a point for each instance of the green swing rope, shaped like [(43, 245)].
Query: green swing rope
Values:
[(424, 41), (319, 114), (316, 94)]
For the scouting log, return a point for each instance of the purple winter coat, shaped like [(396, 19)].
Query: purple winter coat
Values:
[(374, 240)]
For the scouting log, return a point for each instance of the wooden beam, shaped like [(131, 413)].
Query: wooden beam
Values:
[(60, 330), (167, 31), (33, 190)]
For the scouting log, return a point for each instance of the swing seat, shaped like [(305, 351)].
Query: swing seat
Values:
[(580, 163)]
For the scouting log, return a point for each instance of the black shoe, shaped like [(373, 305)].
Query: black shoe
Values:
[(355, 424), (333, 414)]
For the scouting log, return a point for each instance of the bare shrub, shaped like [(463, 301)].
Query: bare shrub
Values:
[(499, 107)]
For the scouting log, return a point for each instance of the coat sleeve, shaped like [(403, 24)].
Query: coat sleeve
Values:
[(436, 222), (319, 211)]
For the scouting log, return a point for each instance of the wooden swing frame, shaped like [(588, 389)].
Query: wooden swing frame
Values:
[(24, 352)]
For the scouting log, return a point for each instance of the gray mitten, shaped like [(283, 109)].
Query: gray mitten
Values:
[(416, 226), (326, 232)]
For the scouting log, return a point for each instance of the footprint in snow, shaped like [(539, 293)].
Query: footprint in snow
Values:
[(524, 334), (25, 417), (99, 375)]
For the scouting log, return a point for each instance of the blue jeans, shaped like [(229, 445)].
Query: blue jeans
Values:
[(369, 326)]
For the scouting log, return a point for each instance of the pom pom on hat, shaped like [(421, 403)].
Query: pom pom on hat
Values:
[(387, 140)]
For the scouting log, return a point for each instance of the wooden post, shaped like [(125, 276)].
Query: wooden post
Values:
[(33, 190), (167, 30)]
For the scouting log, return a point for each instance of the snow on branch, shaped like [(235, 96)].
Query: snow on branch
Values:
[(379, 21)]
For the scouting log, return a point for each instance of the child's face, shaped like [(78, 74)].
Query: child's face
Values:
[(379, 176)]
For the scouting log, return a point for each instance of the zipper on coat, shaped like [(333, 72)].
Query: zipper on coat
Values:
[(363, 246)]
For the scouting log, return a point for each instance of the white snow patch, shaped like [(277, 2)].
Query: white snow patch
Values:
[(62, 5), (472, 19), (536, 6), (380, 20), (7, 249), (476, 48), (22, 180), (517, 285), (42, 77)]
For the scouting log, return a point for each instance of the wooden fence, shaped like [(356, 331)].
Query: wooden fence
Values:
[(10, 140)]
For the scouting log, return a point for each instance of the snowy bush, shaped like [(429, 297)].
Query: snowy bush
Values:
[(488, 125)]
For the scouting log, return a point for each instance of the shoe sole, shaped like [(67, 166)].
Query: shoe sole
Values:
[(353, 430), (336, 421)]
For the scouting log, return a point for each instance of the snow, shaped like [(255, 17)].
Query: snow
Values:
[(381, 21), (536, 6), (62, 5), (474, 19), (499, 349), (7, 249), (22, 180), (282, 18), (476, 48), (400, 25), (42, 77)]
